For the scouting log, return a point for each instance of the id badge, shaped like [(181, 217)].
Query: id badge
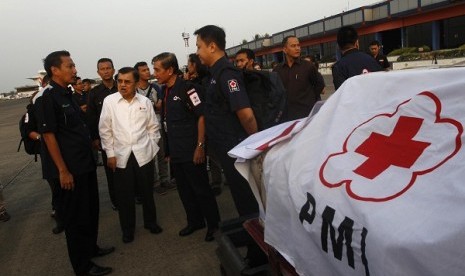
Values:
[(165, 126)]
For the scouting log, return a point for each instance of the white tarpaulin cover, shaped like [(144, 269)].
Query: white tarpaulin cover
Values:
[(374, 184)]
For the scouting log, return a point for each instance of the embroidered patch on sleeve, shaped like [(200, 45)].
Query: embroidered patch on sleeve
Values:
[(233, 86), (194, 97)]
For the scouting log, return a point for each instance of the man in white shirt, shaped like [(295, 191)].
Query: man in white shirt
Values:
[(129, 132)]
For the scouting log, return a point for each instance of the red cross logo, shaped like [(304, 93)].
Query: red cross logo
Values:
[(233, 87), (383, 157), (398, 149)]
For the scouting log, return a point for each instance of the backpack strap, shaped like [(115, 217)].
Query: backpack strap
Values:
[(20, 143)]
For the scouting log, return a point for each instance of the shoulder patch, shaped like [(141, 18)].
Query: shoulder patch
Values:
[(233, 86), (195, 99)]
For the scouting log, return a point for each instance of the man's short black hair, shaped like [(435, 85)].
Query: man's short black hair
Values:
[(140, 64), (346, 37), (126, 70), (285, 39), (375, 42), (54, 60), (87, 81), (250, 54), (102, 60), (212, 33), (167, 60)]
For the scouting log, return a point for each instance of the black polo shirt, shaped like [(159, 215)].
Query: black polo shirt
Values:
[(225, 94), (94, 106), (183, 104), (383, 61), (81, 99), (352, 63), (58, 113), (303, 86)]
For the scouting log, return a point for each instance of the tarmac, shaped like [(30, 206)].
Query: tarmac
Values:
[(28, 246)]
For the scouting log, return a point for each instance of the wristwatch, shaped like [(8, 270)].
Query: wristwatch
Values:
[(201, 145)]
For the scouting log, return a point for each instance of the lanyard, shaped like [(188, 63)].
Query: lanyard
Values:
[(167, 92)]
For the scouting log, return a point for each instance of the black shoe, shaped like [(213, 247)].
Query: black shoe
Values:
[(189, 229), (103, 251), (160, 190), (154, 229), (169, 185), (58, 229), (127, 238), (97, 270), (216, 190), (210, 236), (4, 217)]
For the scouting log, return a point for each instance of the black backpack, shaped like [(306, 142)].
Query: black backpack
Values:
[(267, 97), (26, 124)]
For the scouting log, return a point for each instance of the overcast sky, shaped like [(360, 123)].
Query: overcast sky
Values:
[(135, 30)]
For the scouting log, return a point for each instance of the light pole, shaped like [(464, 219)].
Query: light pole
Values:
[(185, 37)]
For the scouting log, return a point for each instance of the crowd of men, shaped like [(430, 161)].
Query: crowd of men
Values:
[(147, 131)]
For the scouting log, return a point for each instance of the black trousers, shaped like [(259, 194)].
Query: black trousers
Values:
[(242, 195), (80, 213), (55, 187), (196, 194), (110, 179), (127, 181)]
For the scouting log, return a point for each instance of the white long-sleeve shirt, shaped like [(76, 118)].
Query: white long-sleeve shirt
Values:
[(127, 127)]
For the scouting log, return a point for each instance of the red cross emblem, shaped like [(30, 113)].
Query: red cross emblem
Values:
[(398, 149), (232, 85), (383, 157)]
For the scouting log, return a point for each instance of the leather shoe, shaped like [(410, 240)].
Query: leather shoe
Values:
[(154, 229), (58, 229), (189, 229), (103, 251), (127, 238), (210, 236), (97, 270)]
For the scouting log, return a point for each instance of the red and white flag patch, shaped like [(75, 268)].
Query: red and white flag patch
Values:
[(233, 86)]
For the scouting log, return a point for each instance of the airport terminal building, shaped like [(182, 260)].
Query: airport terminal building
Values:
[(438, 24)]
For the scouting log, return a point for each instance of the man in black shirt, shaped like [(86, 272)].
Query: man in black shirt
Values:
[(229, 118), (353, 62), (106, 70), (375, 50), (79, 95), (68, 157), (300, 78)]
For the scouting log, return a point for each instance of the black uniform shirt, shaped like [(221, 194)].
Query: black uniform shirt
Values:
[(353, 63), (225, 94), (303, 86), (183, 105), (81, 99), (94, 106), (58, 113), (382, 60)]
